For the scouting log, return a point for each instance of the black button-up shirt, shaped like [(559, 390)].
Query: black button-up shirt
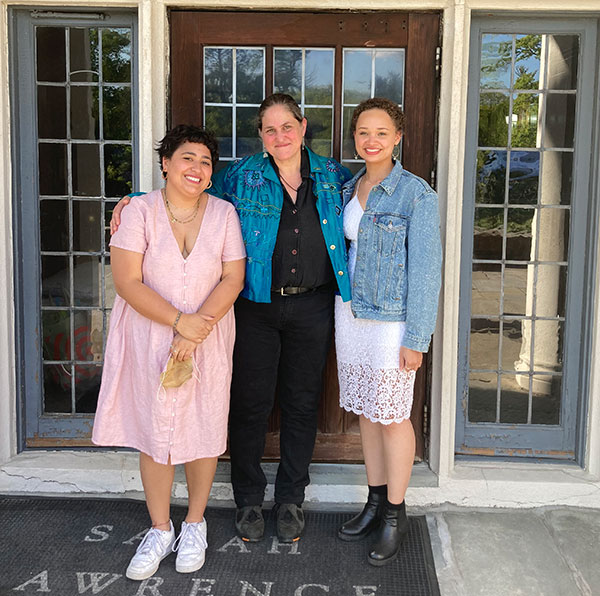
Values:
[(300, 257)]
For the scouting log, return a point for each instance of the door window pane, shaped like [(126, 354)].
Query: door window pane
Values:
[(319, 77), (83, 170), (368, 72), (234, 81), (521, 228)]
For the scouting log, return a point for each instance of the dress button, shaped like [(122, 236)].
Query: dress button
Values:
[(294, 251), (172, 429), (340, 273), (324, 221), (173, 414), (184, 274), (174, 400), (185, 287), (293, 270), (332, 246), (185, 301)]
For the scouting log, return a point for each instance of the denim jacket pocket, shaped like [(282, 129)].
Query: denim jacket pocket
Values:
[(389, 237)]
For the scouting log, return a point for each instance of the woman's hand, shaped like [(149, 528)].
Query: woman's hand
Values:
[(115, 220), (196, 327), (410, 359), (181, 348)]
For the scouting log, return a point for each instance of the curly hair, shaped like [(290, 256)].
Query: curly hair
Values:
[(279, 99), (379, 103), (186, 133)]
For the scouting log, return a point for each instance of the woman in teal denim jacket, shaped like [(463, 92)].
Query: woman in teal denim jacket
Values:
[(254, 188), (391, 219)]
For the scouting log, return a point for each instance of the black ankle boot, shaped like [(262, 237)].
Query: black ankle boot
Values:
[(391, 533), (361, 525)]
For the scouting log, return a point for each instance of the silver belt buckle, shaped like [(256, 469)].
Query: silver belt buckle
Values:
[(282, 293)]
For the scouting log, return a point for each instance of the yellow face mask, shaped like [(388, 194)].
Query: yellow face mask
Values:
[(176, 373)]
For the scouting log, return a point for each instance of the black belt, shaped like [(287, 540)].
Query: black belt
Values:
[(293, 290)]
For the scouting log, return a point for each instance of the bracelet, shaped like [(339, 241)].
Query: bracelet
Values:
[(176, 321)]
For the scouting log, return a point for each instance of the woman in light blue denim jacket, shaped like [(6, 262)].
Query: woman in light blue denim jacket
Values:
[(392, 221)]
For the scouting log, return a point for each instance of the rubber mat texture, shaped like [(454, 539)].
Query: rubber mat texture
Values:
[(82, 546)]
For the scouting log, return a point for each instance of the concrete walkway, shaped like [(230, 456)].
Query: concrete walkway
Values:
[(508, 552)]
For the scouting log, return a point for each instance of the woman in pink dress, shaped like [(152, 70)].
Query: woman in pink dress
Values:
[(178, 264)]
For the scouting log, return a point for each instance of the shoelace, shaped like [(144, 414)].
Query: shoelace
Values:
[(151, 543), (192, 534)]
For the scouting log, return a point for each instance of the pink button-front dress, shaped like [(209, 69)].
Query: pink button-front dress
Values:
[(134, 410)]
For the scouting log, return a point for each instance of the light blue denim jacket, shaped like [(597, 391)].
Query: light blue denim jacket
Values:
[(399, 255), (254, 189)]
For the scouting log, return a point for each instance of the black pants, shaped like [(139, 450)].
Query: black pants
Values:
[(283, 344)]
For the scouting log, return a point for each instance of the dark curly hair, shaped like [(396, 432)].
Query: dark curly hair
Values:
[(379, 103), (186, 133), (279, 99)]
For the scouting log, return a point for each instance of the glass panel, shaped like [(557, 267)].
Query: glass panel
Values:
[(109, 287), (357, 75), (83, 336), (117, 170), (484, 344), (491, 177), (56, 331), (551, 290), (519, 228), (247, 140), (524, 177), (515, 289), (485, 298), (87, 280), (560, 120), (488, 232), (563, 56), (51, 55), (319, 131), (547, 390), (53, 168), (493, 120), (52, 112), (54, 225), (218, 75), (87, 386), (525, 120), (109, 207), (249, 74), (553, 244), (117, 113), (116, 55), (86, 170), (84, 113), (547, 347), (528, 50), (57, 387), (557, 178), (496, 51), (83, 49), (514, 399), (483, 393), (287, 72), (55, 281), (389, 74), (86, 226), (318, 77), (218, 120), (512, 340), (348, 140)]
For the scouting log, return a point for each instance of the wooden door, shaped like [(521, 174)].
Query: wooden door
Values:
[(224, 63)]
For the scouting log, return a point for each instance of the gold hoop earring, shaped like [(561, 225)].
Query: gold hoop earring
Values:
[(209, 185), (396, 152)]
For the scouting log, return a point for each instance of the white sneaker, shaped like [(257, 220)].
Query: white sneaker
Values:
[(190, 546), (154, 547)]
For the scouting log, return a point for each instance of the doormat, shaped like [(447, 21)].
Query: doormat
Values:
[(67, 547)]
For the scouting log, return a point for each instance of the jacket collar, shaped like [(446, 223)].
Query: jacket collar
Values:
[(388, 184)]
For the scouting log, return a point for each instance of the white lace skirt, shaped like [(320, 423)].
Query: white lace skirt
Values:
[(371, 383)]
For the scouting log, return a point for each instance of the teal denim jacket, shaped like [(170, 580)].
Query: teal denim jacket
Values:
[(399, 255), (253, 187)]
